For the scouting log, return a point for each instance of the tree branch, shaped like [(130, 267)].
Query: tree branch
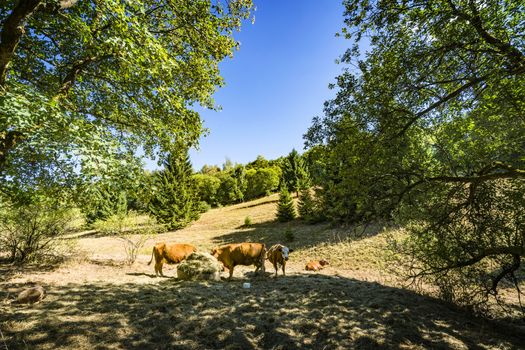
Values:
[(12, 31)]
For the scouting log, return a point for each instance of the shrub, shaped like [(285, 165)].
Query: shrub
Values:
[(28, 233), (132, 245), (128, 224), (247, 221)]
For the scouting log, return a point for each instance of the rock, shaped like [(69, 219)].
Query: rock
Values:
[(199, 266), (31, 295)]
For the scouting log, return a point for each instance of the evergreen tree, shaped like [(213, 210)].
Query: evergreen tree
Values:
[(285, 207), (295, 174), (174, 201), (307, 207)]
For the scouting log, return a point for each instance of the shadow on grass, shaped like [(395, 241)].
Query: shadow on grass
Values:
[(304, 235), (298, 311)]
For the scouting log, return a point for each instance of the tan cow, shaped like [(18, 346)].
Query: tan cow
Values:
[(278, 256), (316, 265), (231, 255), (171, 253)]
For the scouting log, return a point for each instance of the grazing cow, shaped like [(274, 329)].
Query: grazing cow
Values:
[(172, 253), (316, 265), (231, 255), (278, 256)]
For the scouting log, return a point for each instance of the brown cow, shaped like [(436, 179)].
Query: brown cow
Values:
[(231, 255), (172, 253), (278, 256), (316, 265)]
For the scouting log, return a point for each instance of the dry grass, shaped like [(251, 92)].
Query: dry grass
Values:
[(98, 302)]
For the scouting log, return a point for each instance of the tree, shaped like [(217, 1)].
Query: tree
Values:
[(174, 201), (295, 175), (285, 206), (428, 130), (206, 187), (308, 207), (262, 182), (84, 84), (258, 163)]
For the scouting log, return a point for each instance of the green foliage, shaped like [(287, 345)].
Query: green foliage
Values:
[(258, 163), (206, 187), (285, 206), (247, 222), (29, 233), (429, 131), (128, 223), (174, 202), (309, 208), (233, 185), (262, 181), (295, 175), (82, 88)]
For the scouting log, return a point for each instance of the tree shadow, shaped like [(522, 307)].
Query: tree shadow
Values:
[(304, 235), (299, 311)]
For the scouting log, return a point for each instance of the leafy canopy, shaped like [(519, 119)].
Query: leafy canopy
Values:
[(427, 128), (86, 85)]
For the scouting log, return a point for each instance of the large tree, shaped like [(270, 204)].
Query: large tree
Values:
[(85, 86), (428, 126)]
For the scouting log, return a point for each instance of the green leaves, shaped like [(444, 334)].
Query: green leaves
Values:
[(91, 84)]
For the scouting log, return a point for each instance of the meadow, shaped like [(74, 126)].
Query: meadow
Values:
[(97, 301)]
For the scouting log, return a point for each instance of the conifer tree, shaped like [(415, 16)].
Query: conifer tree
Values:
[(306, 206), (285, 206), (174, 200), (295, 174)]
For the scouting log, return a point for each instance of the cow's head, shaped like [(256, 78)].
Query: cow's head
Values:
[(323, 262), (215, 252), (285, 251)]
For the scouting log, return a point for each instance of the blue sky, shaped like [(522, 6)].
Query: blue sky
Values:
[(275, 83)]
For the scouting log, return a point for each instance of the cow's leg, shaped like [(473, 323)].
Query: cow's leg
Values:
[(231, 272), (284, 265), (160, 269), (276, 268)]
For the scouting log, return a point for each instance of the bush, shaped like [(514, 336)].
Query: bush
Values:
[(247, 221), (128, 224), (132, 245), (28, 233)]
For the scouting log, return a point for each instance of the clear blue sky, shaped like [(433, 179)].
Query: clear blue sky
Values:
[(275, 83)]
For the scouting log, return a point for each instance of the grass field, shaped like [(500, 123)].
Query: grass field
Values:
[(96, 301)]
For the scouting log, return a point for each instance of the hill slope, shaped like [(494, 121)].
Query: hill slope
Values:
[(96, 301)]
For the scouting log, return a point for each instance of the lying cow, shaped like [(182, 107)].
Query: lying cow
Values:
[(316, 265), (278, 256), (171, 253), (231, 255)]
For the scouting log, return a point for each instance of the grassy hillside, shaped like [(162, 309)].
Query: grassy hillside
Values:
[(97, 301)]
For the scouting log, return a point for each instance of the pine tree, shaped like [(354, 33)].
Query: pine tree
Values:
[(295, 174), (174, 201), (285, 207), (306, 205)]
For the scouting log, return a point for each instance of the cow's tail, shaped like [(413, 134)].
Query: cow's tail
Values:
[(152, 253)]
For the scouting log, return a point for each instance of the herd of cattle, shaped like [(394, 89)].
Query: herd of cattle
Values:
[(230, 255)]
